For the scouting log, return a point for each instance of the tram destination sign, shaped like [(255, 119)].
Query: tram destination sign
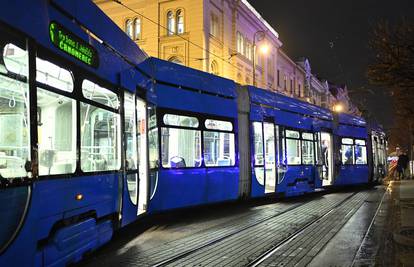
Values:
[(72, 45)]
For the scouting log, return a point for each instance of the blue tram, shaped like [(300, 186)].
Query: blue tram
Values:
[(94, 134)]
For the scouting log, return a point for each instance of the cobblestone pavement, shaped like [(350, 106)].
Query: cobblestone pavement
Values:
[(242, 239)]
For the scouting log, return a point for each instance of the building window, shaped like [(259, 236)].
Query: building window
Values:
[(278, 78), (285, 82), (129, 28), (214, 68), (240, 43), (291, 87), (249, 51), (170, 23), (299, 90), (214, 25), (180, 21), (137, 29), (176, 60)]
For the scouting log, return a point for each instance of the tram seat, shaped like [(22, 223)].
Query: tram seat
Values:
[(11, 166), (294, 160), (225, 161), (177, 162)]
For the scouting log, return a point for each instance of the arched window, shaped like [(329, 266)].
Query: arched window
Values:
[(170, 23), (176, 60), (128, 28), (214, 68), (239, 78), (180, 21), (137, 28)]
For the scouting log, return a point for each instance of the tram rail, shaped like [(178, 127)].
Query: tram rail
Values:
[(180, 258)]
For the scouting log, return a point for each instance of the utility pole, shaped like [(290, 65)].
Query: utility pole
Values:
[(410, 150)]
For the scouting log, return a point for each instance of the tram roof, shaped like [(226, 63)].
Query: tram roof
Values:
[(352, 120), (181, 76), (279, 101)]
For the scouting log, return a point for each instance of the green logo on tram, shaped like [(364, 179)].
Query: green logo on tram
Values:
[(72, 45)]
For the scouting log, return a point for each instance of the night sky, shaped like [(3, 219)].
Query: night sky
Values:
[(334, 35)]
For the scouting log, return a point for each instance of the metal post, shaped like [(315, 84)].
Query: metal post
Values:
[(254, 59)]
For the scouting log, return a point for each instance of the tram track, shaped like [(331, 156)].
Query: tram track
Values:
[(296, 234), (179, 259), (216, 240)]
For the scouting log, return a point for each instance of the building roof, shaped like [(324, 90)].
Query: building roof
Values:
[(259, 17)]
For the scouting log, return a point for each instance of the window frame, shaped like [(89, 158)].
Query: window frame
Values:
[(366, 151), (160, 112), (179, 13), (79, 75), (301, 140), (8, 36), (170, 31), (354, 145)]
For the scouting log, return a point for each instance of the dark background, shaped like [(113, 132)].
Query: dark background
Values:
[(334, 36)]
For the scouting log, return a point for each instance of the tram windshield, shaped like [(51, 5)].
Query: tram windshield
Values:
[(14, 112)]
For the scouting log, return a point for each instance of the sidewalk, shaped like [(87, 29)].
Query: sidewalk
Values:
[(390, 238)]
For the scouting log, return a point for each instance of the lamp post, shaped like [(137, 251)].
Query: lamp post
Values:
[(264, 50)]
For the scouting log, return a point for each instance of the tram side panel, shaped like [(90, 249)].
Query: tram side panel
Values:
[(196, 141), (243, 107), (352, 164)]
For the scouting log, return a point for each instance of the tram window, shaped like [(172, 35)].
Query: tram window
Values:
[(53, 75), (100, 139), (219, 125), (293, 149), (218, 149), (56, 133), (15, 60), (14, 114), (99, 94), (152, 138), (177, 120), (180, 148), (307, 136), (360, 152), (258, 143), (292, 134), (347, 151), (307, 149), (131, 161)]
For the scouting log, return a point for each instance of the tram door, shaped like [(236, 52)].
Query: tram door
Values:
[(142, 156), (135, 194), (327, 158), (270, 157)]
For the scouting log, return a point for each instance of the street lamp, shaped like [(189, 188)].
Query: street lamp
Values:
[(263, 49), (338, 108)]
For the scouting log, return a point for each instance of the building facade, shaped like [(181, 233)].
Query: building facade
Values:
[(228, 38)]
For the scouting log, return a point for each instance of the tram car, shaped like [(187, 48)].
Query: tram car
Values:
[(94, 134)]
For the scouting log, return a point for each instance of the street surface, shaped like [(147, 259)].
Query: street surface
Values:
[(323, 229)]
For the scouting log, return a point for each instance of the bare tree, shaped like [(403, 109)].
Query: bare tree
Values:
[(392, 68)]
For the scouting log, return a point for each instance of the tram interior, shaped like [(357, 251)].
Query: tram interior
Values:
[(14, 112)]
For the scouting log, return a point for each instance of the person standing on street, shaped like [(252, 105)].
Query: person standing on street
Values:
[(402, 164)]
